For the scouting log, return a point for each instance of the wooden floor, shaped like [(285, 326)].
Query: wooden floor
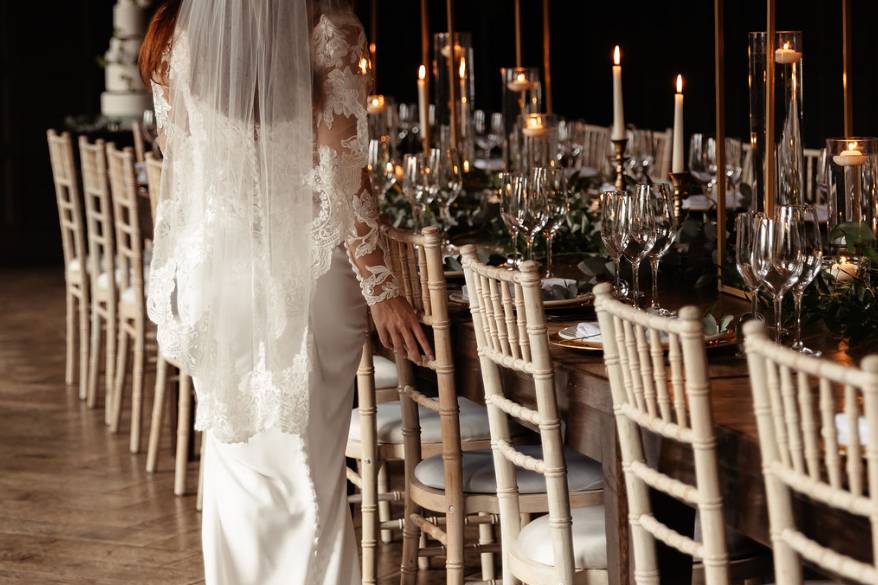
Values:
[(75, 506)]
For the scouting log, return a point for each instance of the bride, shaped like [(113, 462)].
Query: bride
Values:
[(264, 209)]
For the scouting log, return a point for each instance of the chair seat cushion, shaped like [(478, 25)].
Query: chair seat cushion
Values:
[(473, 423), (478, 472), (589, 539), (385, 372)]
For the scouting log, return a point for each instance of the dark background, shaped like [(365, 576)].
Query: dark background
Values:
[(49, 69)]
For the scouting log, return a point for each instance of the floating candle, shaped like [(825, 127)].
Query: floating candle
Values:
[(618, 110), (843, 270), (533, 125), (375, 104), (851, 156), (677, 165), (519, 82), (786, 55)]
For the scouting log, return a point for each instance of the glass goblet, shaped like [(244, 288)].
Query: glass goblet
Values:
[(609, 205), (666, 230), (414, 185), (558, 206), (777, 257), (812, 258), (636, 225), (509, 213), (530, 205)]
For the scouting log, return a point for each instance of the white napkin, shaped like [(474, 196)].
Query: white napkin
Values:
[(589, 330), (843, 429), (703, 203), (489, 164), (547, 283)]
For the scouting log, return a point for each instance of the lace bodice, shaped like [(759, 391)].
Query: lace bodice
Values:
[(346, 208)]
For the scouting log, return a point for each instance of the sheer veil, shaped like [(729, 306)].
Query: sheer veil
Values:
[(234, 258)]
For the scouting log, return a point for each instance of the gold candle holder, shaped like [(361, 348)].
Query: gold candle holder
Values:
[(681, 183), (619, 159)]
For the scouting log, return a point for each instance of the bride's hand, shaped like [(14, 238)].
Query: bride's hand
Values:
[(399, 329)]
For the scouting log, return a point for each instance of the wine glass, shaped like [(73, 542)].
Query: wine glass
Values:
[(497, 132), (777, 257), (745, 239), (508, 213), (702, 160), (636, 225), (557, 208), (812, 258), (446, 179), (666, 230), (414, 185), (382, 173), (529, 198), (609, 203)]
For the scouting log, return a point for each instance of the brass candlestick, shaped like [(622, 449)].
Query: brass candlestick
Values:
[(681, 183), (619, 159)]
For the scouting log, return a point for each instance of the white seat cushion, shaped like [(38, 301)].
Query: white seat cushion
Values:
[(385, 373), (473, 423), (478, 472), (589, 539)]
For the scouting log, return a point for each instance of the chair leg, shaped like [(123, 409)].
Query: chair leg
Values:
[(68, 364), (94, 357), (137, 387), (424, 563), (121, 375), (486, 536), (369, 512), (411, 543), (158, 411), (384, 506), (83, 342), (111, 354), (183, 417), (199, 499)]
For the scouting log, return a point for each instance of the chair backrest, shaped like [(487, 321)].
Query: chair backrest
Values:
[(126, 217), (98, 211), (595, 146), (812, 193), (795, 398), (670, 399), (139, 148), (153, 181), (657, 143), (68, 201), (509, 321)]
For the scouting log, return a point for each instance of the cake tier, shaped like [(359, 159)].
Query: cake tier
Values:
[(129, 18), (125, 105), (123, 78), (123, 51)]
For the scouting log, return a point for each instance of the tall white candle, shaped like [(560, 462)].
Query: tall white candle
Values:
[(618, 113), (423, 102), (677, 161)]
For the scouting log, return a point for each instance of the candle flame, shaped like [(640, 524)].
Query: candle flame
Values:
[(520, 77), (372, 48), (679, 84), (852, 145), (462, 70), (364, 66), (786, 45), (422, 72), (617, 56)]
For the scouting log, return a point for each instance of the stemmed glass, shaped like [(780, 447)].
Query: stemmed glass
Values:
[(446, 179), (745, 240), (812, 258), (558, 206), (414, 185), (702, 160), (508, 213), (636, 226), (666, 230), (529, 196), (382, 173), (610, 235), (777, 257)]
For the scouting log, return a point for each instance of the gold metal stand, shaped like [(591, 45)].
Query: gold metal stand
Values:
[(681, 183)]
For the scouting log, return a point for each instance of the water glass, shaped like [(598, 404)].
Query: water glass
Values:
[(509, 213), (812, 258), (558, 206), (414, 185), (636, 225), (530, 207), (610, 236), (666, 231)]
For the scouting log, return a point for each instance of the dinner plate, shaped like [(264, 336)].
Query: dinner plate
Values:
[(568, 338), (456, 296)]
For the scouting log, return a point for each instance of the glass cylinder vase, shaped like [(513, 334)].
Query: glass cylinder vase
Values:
[(522, 94), (788, 115), (852, 190), (539, 140), (464, 88)]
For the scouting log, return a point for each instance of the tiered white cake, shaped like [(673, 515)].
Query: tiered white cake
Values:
[(125, 95)]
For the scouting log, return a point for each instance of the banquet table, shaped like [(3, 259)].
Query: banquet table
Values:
[(584, 398)]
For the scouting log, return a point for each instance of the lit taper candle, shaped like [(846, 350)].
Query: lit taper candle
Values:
[(677, 161), (618, 110)]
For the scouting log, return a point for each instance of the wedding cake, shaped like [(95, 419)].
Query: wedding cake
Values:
[(125, 95)]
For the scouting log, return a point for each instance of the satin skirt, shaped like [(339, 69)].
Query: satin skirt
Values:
[(275, 508)]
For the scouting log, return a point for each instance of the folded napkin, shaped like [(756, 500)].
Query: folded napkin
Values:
[(554, 289), (589, 330), (843, 429)]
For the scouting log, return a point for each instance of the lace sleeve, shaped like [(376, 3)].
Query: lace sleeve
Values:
[(342, 141)]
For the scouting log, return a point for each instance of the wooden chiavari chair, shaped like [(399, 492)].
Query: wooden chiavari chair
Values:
[(803, 452), (635, 343), (139, 148), (596, 146), (659, 144), (102, 267), (403, 429), (568, 545), (75, 255), (184, 404), (132, 302)]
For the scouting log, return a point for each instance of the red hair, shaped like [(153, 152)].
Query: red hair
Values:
[(156, 42)]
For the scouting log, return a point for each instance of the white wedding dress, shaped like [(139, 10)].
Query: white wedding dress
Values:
[(275, 507)]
